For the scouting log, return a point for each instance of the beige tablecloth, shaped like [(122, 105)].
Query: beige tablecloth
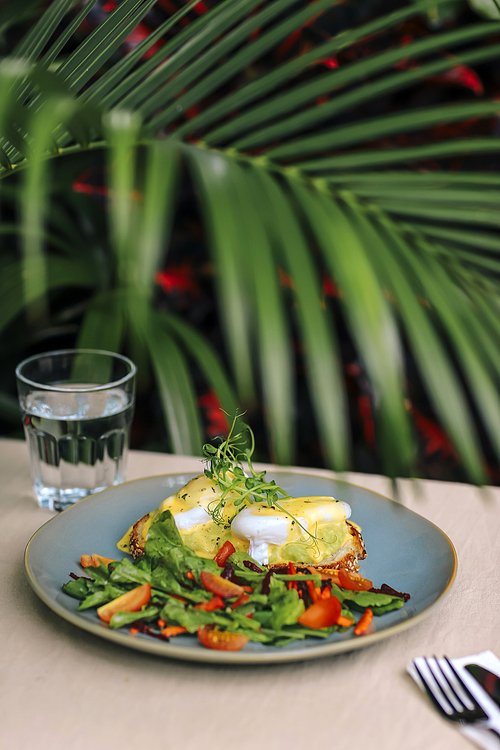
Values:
[(64, 688)]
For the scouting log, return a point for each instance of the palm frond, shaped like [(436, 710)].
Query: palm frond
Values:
[(321, 350), (175, 387), (218, 203), (295, 189), (330, 83), (408, 155)]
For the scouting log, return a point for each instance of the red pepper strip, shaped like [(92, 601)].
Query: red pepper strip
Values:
[(190, 575), (313, 590), (223, 553), (243, 599), (364, 623), (214, 603)]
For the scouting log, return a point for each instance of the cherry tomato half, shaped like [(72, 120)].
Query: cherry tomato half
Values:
[(219, 586), (221, 640), (321, 614), (353, 584), (132, 601)]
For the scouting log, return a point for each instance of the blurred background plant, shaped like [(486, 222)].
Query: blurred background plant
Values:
[(286, 207)]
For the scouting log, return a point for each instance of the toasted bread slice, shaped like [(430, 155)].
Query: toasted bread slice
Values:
[(346, 557), (138, 537)]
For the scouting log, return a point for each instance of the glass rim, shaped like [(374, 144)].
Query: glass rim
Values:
[(90, 389)]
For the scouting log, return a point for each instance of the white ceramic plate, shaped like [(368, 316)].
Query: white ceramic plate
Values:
[(404, 550)]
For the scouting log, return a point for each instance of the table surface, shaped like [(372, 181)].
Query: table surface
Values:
[(66, 688)]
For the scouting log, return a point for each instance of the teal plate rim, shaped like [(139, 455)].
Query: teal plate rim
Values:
[(394, 536)]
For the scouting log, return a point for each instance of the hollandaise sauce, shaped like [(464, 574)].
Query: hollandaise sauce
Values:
[(302, 530), (190, 508)]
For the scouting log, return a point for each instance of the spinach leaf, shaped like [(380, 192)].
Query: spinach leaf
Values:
[(126, 618)]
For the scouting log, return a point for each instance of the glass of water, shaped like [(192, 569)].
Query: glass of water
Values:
[(77, 407)]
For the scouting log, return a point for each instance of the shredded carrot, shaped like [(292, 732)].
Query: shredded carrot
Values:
[(94, 560), (293, 572), (173, 630), (190, 575), (313, 590), (162, 623), (133, 631), (364, 623), (248, 589), (326, 593), (344, 622), (215, 603)]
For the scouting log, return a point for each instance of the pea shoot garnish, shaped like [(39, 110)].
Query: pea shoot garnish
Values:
[(224, 468)]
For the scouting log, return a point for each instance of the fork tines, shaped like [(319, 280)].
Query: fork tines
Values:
[(447, 691)]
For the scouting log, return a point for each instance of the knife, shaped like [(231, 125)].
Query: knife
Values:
[(489, 681)]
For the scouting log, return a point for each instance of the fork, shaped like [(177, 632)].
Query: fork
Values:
[(453, 701)]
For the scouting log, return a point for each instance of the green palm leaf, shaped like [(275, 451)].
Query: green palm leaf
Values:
[(103, 324), (302, 207), (381, 127), (218, 203), (305, 93), (321, 349), (272, 331), (276, 78), (175, 387), (372, 324), (205, 357)]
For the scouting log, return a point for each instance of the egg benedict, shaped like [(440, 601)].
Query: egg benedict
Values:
[(191, 508), (304, 530)]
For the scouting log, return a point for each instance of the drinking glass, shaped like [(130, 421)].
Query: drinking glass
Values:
[(77, 407)]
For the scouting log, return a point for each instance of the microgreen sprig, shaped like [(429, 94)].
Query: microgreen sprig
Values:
[(224, 468)]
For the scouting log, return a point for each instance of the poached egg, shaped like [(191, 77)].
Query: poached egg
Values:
[(281, 535)]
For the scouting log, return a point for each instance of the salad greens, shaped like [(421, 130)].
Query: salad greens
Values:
[(268, 611)]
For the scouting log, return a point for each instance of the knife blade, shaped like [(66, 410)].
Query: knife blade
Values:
[(489, 681)]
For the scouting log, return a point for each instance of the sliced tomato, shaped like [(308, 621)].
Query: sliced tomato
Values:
[(221, 640), (353, 584), (321, 614), (132, 601), (223, 553), (219, 586)]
